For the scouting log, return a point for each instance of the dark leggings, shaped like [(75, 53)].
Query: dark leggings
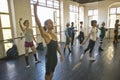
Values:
[(72, 39), (81, 37), (90, 46), (101, 41)]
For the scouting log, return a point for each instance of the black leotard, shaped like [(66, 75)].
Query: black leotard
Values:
[(51, 57)]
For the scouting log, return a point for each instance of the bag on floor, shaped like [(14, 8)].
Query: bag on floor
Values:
[(12, 52)]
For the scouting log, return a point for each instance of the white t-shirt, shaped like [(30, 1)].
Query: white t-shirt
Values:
[(93, 35), (80, 28), (28, 35)]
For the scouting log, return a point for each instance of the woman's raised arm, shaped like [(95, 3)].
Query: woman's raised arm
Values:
[(38, 21), (21, 25)]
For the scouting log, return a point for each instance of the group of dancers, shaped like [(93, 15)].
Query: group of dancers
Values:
[(52, 44), (50, 40), (92, 37)]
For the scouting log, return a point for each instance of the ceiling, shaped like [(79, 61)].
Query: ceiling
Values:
[(86, 1)]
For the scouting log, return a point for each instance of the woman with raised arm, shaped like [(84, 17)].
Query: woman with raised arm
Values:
[(28, 33), (52, 45)]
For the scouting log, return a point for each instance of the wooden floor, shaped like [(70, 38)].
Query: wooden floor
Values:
[(106, 66)]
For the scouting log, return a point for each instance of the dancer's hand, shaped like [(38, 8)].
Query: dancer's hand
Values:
[(83, 42), (36, 3), (97, 38), (97, 25), (20, 19), (61, 58)]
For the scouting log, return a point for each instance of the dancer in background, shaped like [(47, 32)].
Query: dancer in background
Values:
[(116, 31), (68, 38), (93, 37), (102, 35), (28, 33), (81, 34)]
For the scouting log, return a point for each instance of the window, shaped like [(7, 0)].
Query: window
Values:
[(92, 15), (114, 13), (6, 34), (73, 11), (5, 24), (5, 20), (112, 10), (118, 10), (51, 7), (81, 15), (4, 6)]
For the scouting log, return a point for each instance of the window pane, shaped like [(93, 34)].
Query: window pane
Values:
[(44, 14), (56, 4), (58, 29), (90, 13), (112, 20), (7, 34), (90, 19), (58, 37), (4, 6), (50, 3), (7, 46), (73, 8), (57, 13), (112, 10), (42, 1), (76, 9), (50, 0), (95, 18), (34, 0), (33, 21), (81, 13), (95, 12), (32, 10), (72, 17), (118, 17), (5, 20), (118, 10), (70, 7), (58, 21)]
